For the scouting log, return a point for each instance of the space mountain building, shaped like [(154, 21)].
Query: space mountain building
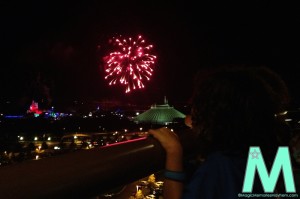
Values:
[(163, 114)]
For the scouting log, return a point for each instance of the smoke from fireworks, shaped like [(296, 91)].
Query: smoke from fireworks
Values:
[(130, 64)]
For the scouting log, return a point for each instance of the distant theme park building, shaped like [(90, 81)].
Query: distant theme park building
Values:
[(163, 114)]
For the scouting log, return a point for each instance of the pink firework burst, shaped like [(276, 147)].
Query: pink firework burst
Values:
[(130, 64)]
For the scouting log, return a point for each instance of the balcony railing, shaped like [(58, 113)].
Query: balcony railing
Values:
[(84, 173)]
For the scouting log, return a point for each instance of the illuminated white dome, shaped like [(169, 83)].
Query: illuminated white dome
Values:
[(159, 114)]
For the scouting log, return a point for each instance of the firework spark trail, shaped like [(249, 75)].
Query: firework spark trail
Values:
[(130, 64)]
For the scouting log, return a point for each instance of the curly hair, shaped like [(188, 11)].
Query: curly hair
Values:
[(234, 108)]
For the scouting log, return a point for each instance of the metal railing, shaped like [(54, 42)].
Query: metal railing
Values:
[(84, 173)]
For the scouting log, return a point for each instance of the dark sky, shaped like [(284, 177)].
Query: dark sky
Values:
[(54, 50)]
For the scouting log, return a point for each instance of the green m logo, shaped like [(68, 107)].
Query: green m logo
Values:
[(256, 162)]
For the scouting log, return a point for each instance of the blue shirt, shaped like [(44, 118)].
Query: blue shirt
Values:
[(219, 177)]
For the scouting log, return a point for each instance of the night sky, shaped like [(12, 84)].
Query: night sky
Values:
[(53, 50)]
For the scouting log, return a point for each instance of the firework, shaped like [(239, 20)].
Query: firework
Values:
[(130, 64)]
